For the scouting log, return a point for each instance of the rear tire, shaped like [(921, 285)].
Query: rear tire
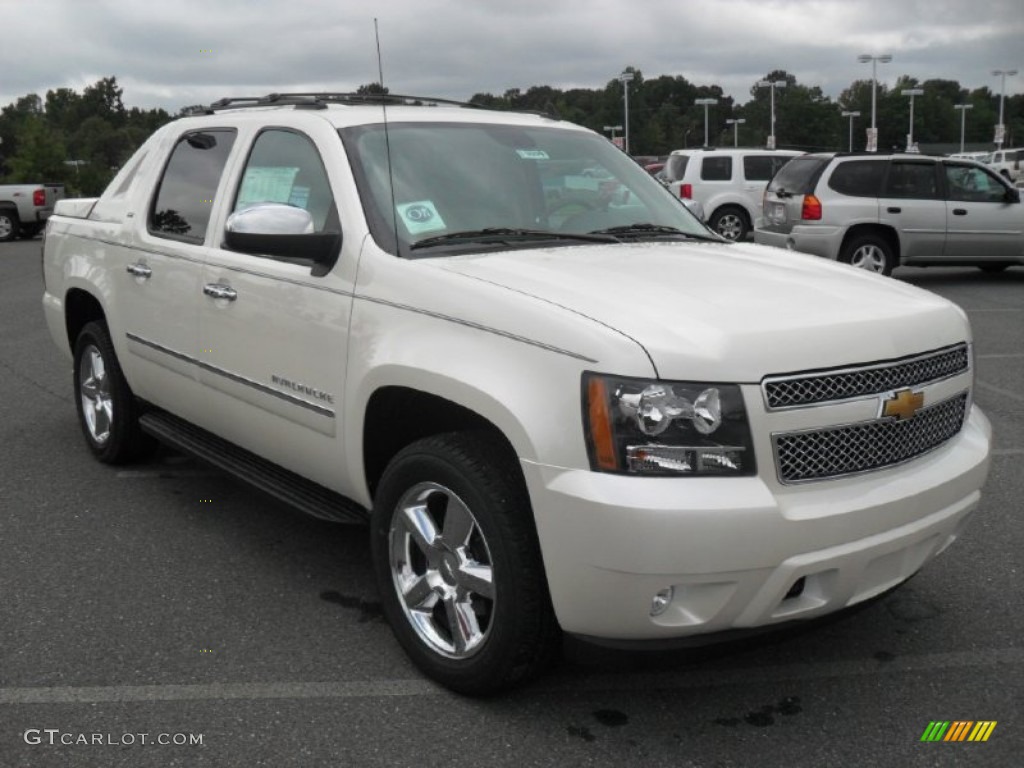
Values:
[(9, 225), (458, 564), (869, 252), (731, 223), (107, 410)]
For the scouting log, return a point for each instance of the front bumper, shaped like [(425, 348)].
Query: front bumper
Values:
[(742, 553)]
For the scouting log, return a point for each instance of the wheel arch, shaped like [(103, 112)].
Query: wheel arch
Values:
[(878, 230), (80, 307)]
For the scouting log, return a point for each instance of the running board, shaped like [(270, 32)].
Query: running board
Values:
[(284, 485)]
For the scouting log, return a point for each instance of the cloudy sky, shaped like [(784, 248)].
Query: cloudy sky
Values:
[(171, 53)]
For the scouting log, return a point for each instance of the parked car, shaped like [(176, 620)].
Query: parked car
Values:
[(1007, 162), (560, 403), (728, 183), (24, 208), (880, 211)]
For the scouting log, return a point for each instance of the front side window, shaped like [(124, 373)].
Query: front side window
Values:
[(968, 183), (716, 169), (184, 198), (285, 167), (447, 187), (911, 180), (858, 178)]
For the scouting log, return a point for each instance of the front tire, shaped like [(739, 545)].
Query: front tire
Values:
[(107, 410), (869, 252), (458, 564), (731, 223)]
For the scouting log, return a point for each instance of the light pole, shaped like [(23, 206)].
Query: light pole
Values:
[(612, 129), (735, 123), (864, 58), (705, 103), (1001, 129), (851, 115), (963, 121), (625, 79), (911, 92), (772, 85)]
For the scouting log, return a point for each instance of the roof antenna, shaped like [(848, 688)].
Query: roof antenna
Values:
[(387, 137)]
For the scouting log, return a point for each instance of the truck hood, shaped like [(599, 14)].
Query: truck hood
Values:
[(713, 312)]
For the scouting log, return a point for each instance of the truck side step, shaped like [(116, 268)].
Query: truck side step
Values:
[(288, 487)]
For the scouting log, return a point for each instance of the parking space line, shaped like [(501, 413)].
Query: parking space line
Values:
[(167, 473), (679, 680), (1000, 391)]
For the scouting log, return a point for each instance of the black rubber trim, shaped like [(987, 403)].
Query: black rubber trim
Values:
[(284, 485)]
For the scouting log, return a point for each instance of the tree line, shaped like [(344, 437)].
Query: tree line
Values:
[(81, 139)]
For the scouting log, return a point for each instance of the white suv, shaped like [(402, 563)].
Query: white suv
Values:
[(728, 183)]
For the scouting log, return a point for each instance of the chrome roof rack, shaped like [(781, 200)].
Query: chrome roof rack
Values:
[(321, 100)]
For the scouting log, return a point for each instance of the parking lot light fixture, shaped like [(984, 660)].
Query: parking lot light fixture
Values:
[(735, 123), (864, 58), (911, 92), (612, 129), (963, 121), (772, 85), (705, 103), (1001, 128), (851, 115), (625, 79)]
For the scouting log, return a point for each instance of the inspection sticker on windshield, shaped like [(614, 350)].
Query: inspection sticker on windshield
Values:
[(532, 154), (420, 217)]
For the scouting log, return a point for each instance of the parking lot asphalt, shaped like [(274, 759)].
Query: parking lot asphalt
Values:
[(168, 600)]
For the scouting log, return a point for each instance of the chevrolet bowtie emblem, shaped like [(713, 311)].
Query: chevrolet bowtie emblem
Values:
[(902, 405)]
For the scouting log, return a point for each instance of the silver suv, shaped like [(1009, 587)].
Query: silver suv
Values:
[(728, 183), (880, 211)]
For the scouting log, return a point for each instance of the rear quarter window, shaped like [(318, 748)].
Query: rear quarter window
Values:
[(858, 178)]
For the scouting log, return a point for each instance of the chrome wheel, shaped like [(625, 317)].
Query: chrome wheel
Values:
[(731, 226), (97, 401), (871, 257), (8, 227), (441, 570)]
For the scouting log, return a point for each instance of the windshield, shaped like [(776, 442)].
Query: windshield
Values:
[(480, 186)]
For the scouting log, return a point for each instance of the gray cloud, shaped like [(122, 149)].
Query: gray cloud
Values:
[(171, 53)]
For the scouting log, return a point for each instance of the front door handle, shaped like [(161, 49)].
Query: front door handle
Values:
[(894, 209), (139, 270), (220, 291), (959, 211)]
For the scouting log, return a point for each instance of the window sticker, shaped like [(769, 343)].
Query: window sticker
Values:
[(299, 197), (533, 154), (266, 185), (420, 216)]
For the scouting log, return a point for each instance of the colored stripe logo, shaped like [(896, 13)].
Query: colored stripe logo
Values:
[(958, 730)]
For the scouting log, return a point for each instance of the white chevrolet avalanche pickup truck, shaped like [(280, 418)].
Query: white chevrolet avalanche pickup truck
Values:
[(561, 403)]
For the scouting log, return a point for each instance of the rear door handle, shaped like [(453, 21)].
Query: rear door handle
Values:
[(220, 291), (959, 211), (139, 270), (894, 210)]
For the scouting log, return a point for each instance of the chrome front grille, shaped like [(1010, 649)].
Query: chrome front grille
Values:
[(792, 391), (849, 449)]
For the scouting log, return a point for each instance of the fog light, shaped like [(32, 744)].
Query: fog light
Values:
[(661, 601)]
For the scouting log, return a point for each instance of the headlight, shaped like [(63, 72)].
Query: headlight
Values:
[(667, 428)]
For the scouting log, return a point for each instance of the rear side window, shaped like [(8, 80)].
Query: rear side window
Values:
[(762, 167), (911, 180), (716, 169), (184, 199), (675, 167), (799, 175), (858, 178)]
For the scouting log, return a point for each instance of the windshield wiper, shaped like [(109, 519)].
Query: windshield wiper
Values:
[(504, 234), (646, 228)]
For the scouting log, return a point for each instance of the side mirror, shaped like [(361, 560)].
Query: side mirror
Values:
[(276, 229), (1013, 195)]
